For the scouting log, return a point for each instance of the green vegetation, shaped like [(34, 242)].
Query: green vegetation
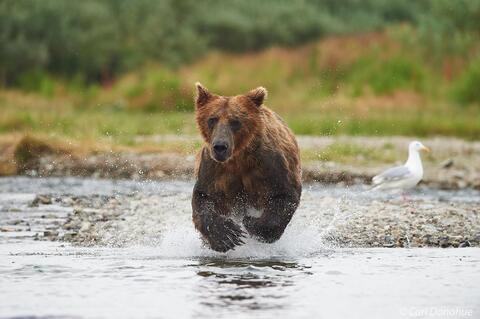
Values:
[(350, 153), (467, 90), (96, 40), (106, 72), (384, 77), (416, 122)]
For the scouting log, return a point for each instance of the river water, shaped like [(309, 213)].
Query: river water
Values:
[(300, 276)]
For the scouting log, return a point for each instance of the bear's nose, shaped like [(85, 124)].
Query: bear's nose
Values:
[(220, 147)]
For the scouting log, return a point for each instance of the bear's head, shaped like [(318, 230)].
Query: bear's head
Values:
[(228, 124)]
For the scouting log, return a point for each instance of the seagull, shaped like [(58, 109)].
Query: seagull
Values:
[(404, 176)]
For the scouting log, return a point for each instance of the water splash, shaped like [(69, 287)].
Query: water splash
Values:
[(161, 218), (158, 215), (308, 233)]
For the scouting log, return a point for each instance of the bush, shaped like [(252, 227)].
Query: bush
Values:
[(37, 82), (384, 77), (467, 89), (101, 39), (157, 89)]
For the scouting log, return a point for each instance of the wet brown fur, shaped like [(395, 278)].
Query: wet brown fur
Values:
[(263, 171)]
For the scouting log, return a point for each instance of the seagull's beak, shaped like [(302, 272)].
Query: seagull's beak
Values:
[(426, 149)]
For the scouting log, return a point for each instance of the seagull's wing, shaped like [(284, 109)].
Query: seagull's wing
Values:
[(392, 175)]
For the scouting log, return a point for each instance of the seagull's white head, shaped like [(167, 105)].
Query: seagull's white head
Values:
[(417, 146)]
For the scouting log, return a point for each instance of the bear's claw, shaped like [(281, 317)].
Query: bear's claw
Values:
[(225, 236)]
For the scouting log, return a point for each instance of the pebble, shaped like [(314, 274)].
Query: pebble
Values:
[(444, 242), (85, 227), (447, 163), (14, 222), (41, 199), (50, 233), (389, 241), (70, 236), (463, 244)]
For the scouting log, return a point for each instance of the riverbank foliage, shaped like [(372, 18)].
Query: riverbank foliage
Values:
[(116, 70)]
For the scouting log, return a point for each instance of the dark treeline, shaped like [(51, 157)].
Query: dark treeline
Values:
[(95, 40)]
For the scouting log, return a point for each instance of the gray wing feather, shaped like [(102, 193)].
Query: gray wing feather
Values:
[(392, 174)]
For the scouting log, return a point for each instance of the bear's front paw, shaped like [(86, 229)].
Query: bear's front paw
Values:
[(223, 234), (263, 230)]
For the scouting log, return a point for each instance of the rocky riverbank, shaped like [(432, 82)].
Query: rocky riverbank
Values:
[(453, 164), (333, 216)]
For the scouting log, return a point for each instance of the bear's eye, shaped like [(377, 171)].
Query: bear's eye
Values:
[(235, 125), (212, 121)]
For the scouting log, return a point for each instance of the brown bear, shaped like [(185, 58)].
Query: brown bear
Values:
[(249, 164)]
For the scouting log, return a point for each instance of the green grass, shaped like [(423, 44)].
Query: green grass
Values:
[(415, 123), (337, 86), (122, 126), (384, 77), (117, 127), (349, 153)]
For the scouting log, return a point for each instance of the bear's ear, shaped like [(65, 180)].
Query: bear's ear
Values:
[(258, 95), (203, 96)]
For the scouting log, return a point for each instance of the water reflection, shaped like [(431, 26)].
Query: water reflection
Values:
[(233, 284), (253, 263)]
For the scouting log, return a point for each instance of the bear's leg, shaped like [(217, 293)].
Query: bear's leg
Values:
[(277, 214), (220, 232)]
